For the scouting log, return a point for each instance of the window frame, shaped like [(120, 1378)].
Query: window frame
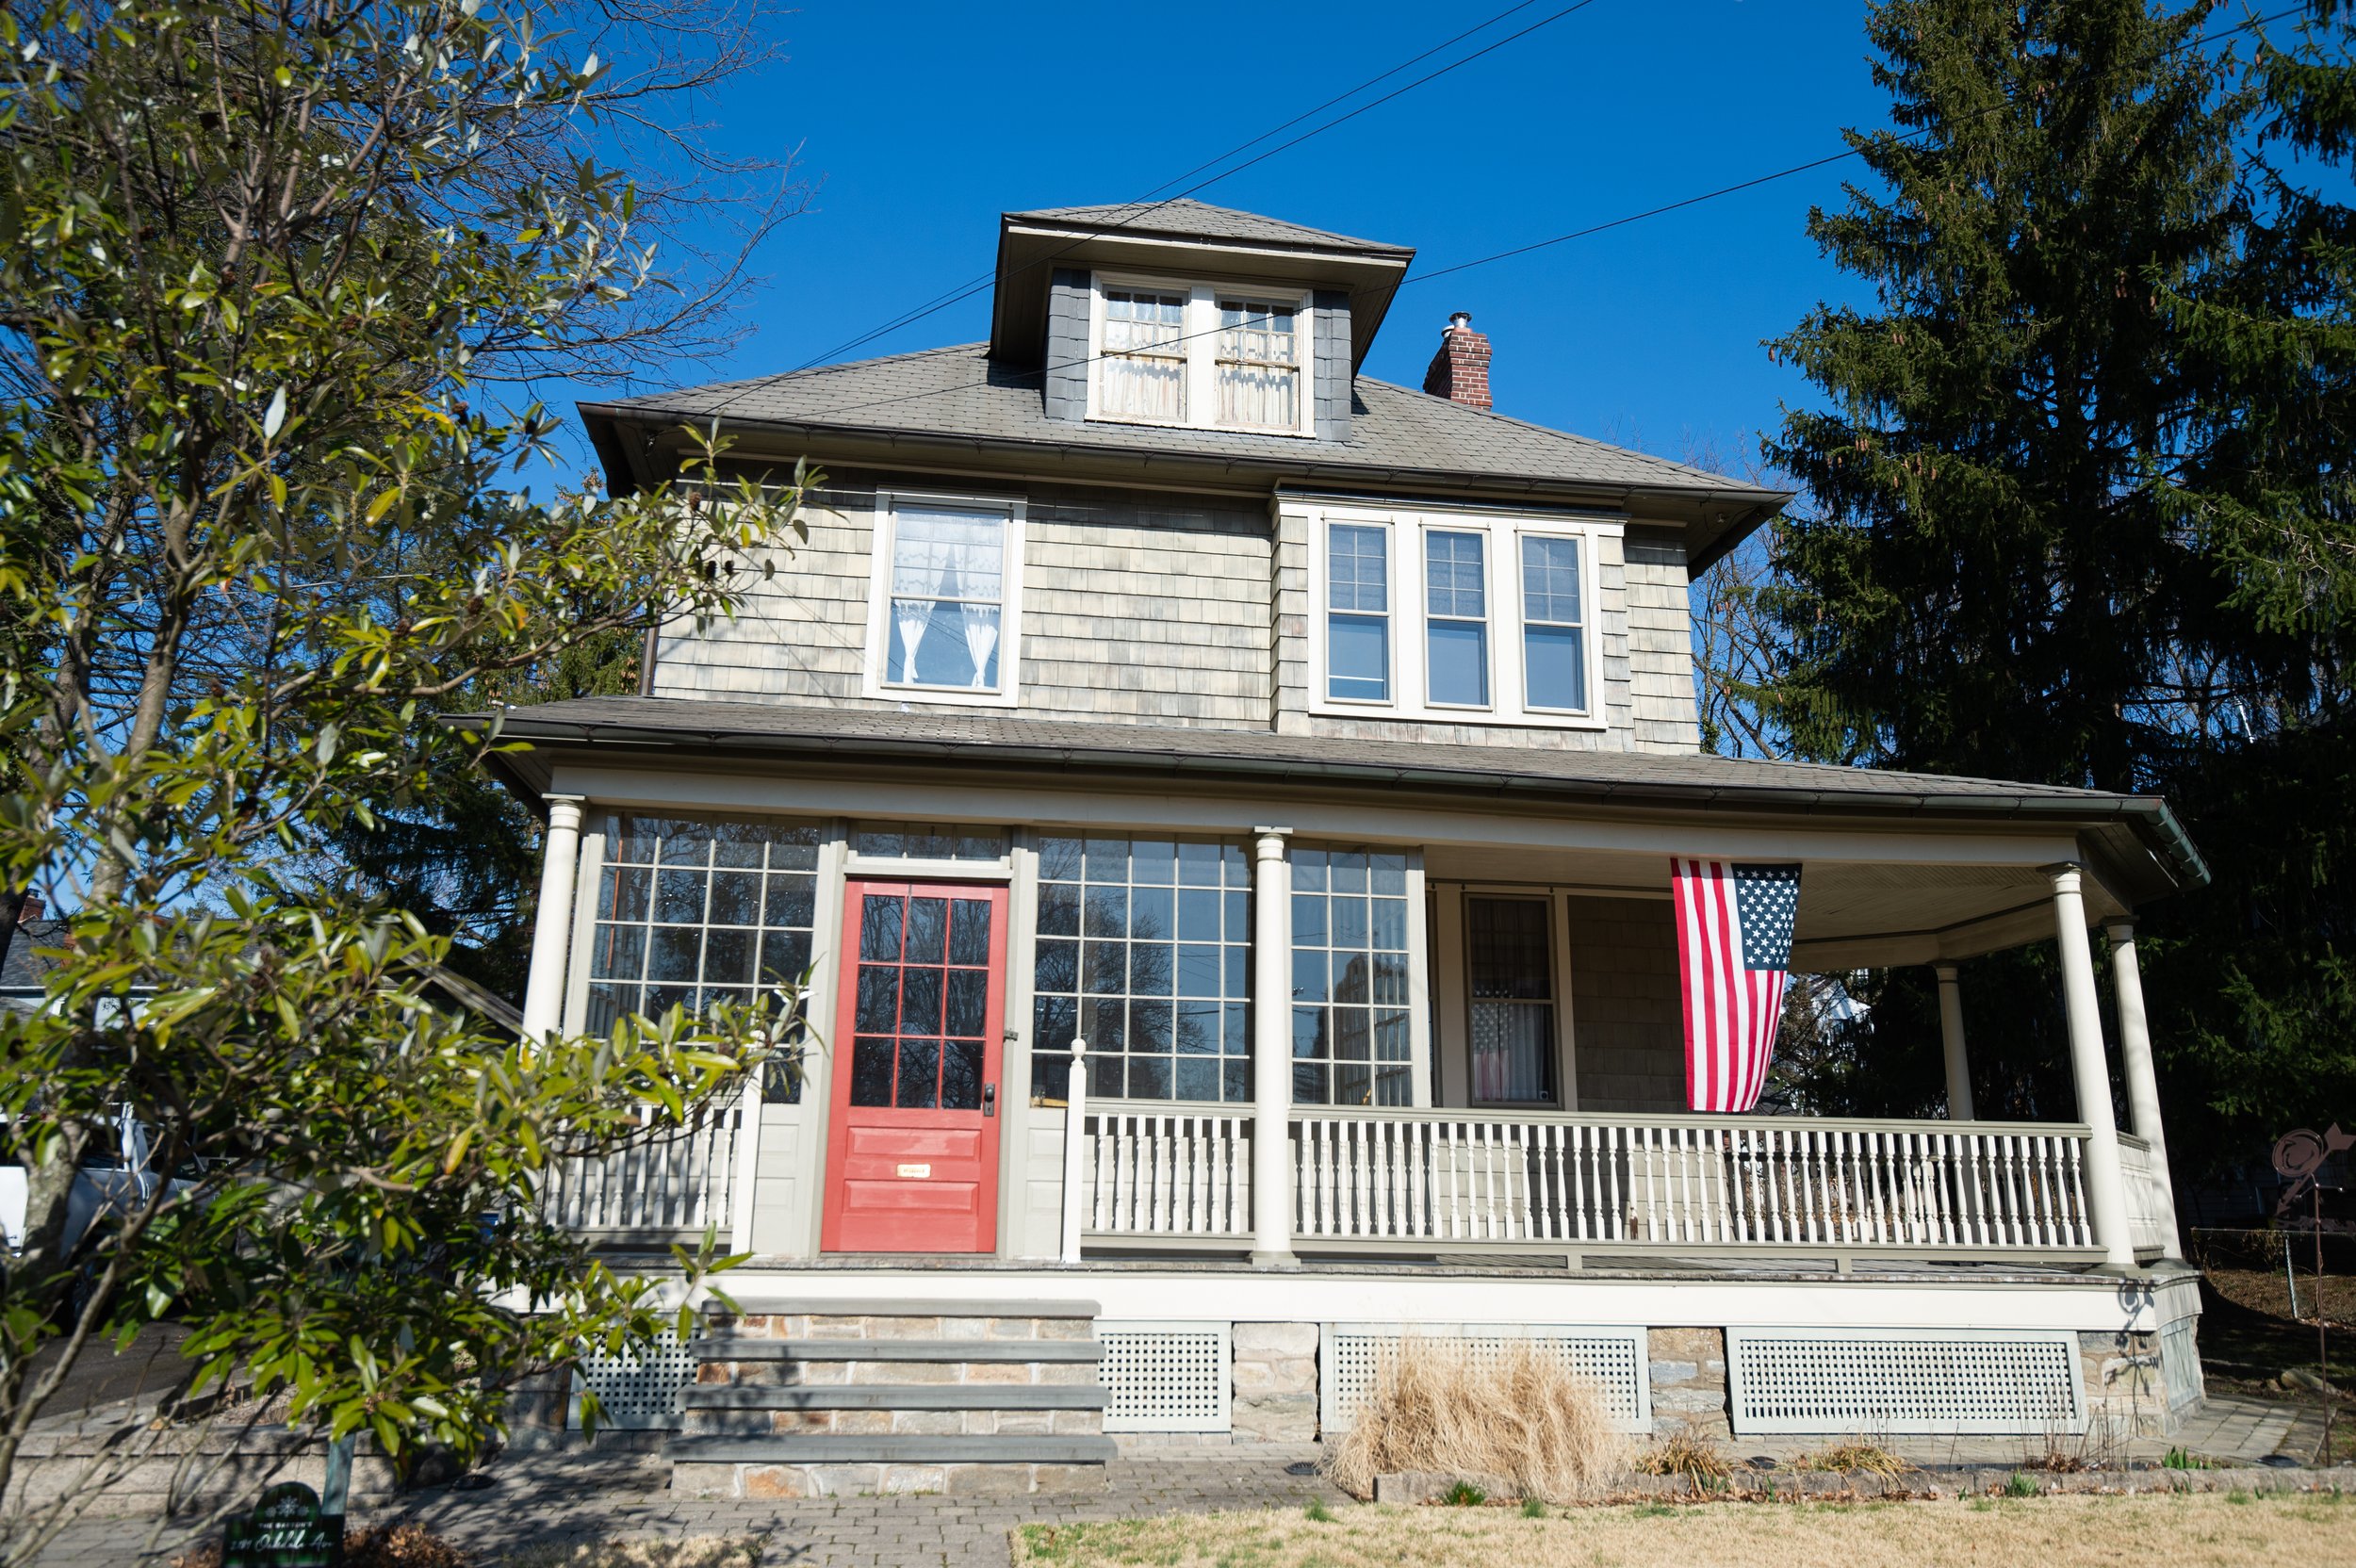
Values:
[(1558, 1062), (886, 540), (1198, 336), (1407, 568), (1425, 529)]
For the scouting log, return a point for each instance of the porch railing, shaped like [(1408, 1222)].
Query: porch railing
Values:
[(1429, 1181), (677, 1179)]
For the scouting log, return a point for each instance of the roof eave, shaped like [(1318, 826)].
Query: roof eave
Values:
[(2153, 826)]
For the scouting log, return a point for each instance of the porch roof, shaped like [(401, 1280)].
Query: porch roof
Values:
[(2145, 850)]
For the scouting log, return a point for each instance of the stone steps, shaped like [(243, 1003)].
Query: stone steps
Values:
[(806, 1397)]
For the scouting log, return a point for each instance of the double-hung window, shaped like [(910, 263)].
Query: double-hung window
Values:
[(1202, 356), (1358, 614), (946, 603), (1456, 590), (1465, 617)]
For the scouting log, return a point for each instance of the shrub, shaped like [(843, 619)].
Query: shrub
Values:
[(1519, 1422)]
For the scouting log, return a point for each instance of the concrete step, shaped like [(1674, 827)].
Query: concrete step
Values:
[(836, 1449), (728, 1396), (727, 1348)]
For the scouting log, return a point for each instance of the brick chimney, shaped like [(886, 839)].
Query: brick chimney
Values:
[(1460, 371)]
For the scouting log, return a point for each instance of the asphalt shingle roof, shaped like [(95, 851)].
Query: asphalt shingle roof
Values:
[(960, 392), (1187, 219)]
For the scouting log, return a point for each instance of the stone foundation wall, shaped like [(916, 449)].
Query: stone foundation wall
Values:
[(1688, 1381), (1276, 1383), (2126, 1394)]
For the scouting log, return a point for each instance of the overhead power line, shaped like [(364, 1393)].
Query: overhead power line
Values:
[(1519, 250), (1148, 204)]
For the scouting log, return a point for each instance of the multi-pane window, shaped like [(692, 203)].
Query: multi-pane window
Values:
[(1510, 968), (1142, 369), (1456, 629), (1259, 364), (1350, 1037), (1145, 951), (1453, 615), (916, 841), (919, 1031), (1554, 653), (694, 913), (1357, 618), (946, 610)]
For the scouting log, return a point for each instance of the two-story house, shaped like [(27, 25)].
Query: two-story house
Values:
[(1225, 805)]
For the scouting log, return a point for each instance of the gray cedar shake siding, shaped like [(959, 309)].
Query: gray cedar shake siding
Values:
[(1157, 608)]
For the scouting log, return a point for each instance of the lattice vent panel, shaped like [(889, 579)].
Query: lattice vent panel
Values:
[(1612, 1359), (1165, 1377), (1871, 1381), (2180, 1362), (639, 1393)]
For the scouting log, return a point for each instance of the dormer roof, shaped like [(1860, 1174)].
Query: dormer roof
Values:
[(1182, 238)]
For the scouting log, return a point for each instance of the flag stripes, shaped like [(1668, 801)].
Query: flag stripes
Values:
[(1734, 946)]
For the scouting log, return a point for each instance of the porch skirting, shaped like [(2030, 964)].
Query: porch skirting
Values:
[(1222, 1353)]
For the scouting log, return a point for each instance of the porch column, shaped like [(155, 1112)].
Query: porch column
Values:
[(1950, 1037), (552, 925), (2106, 1184), (2134, 1059), (1271, 1056)]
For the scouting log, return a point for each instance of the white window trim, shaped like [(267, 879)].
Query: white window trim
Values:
[(886, 534), (1405, 594), (1199, 336)]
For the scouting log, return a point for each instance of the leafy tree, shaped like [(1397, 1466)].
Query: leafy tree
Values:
[(2078, 501), (262, 264)]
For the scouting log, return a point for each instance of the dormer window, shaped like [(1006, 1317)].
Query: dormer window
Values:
[(1201, 356)]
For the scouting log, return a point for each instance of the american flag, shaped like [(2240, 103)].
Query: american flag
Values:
[(1734, 943)]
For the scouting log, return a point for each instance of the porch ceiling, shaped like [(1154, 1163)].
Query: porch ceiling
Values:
[(1853, 915)]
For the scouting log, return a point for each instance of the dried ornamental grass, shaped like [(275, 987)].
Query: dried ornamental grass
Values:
[(1517, 1421), (1683, 1454), (1853, 1458)]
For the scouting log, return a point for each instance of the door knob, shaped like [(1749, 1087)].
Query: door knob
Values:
[(990, 1099)]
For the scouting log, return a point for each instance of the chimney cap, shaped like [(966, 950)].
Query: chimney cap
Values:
[(1460, 320)]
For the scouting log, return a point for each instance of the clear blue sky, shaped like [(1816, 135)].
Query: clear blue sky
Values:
[(919, 123)]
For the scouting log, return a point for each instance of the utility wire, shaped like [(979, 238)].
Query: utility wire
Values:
[(1778, 174), (1520, 250), (977, 284)]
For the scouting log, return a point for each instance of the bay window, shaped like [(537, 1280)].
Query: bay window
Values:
[(1496, 622), (945, 599), (1209, 358)]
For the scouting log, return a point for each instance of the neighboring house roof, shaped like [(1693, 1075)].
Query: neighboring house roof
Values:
[(1184, 218), (907, 403), (1633, 778), (25, 968)]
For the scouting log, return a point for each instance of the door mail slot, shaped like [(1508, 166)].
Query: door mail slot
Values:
[(917, 1172)]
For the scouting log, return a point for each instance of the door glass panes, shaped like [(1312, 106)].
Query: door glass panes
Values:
[(1258, 365), (1554, 652), (1456, 604), (920, 1024), (1510, 970), (1351, 1042), (1145, 951), (948, 586), (694, 913), (1141, 370), (1357, 620), (917, 840)]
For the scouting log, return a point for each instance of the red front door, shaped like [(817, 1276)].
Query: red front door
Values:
[(912, 1157)]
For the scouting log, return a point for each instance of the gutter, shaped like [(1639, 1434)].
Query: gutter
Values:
[(2147, 815)]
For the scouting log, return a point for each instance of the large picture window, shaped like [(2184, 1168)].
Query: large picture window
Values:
[(947, 604), (1461, 617), (1351, 1041), (1145, 951), (691, 914)]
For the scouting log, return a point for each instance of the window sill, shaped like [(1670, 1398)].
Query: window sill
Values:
[(1309, 434), (1329, 707), (959, 697)]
